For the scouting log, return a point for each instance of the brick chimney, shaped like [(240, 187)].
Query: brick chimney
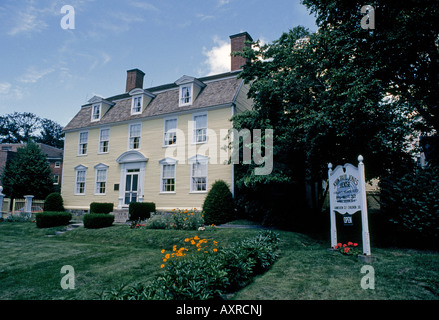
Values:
[(134, 79), (238, 43)]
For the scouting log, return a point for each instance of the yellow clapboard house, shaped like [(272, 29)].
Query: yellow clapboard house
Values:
[(165, 144)]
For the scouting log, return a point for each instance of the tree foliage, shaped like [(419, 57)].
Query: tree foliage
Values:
[(28, 173), (20, 127), (404, 45), (341, 92)]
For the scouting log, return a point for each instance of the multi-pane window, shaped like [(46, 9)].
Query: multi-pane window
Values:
[(135, 132), (101, 181), (137, 105), (199, 176), (56, 179), (83, 142), (170, 136), (80, 182), (200, 128), (96, 115), (185, 95), (104, 140), (168, 178)]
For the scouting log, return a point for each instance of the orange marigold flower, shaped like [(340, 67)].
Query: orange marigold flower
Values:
[(163, 251), (167, 256), (196, 238), (215, 249), (162, 266), (186, 240)]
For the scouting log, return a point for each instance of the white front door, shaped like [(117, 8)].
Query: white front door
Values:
[(131, 186)]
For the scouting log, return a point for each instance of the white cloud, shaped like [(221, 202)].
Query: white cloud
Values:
[(143, 6), (204, 17), (27, 21), (218, 57), (32, 75), (223, 2), (5, 87)]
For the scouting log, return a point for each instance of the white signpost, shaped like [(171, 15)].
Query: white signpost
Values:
[(347, 195)]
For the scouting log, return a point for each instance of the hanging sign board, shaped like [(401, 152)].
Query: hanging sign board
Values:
[(347, 195), (344, 189)]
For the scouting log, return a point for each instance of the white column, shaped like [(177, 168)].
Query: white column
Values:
[(364, 220), (332, 214), (28, 204)]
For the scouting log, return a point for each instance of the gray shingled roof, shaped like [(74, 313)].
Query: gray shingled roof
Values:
[(219, 90)]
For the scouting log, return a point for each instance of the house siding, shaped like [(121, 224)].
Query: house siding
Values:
[(151, 146)]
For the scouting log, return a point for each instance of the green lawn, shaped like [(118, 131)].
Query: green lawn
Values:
[(103, 259)]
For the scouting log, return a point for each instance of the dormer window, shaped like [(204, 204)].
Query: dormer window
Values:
[(140, 99), (185, 95), (96, 112), (136, 107), (190, 88), (99, 107)]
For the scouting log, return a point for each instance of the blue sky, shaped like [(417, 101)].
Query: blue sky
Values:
[(50, 71)]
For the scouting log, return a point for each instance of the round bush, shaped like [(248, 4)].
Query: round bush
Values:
[(218, 206), (54, 202)]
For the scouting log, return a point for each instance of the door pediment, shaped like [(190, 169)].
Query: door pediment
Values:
[(131, 157)]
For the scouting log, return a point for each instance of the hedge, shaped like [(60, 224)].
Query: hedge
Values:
[(97, 207), (141, 210), (54, 203), (98, 220), (52, 219)]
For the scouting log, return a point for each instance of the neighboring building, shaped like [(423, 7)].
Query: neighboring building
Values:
[(54, 157), (165, 144)]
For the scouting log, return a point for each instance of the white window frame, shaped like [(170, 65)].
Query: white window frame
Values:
[(81, 144), (101, 145), (129, 136), (133, 104), (195, 128), (171, 131), (190, 90), (57, 164), (79, 169), (94, 116), (197, 160), (101, 167), (163, 163), (56, 179)]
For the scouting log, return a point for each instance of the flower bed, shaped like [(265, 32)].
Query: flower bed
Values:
[(349, 249), (201, 269), (177, 220)]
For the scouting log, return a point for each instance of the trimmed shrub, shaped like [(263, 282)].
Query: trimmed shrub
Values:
[(141, 210), (97, 207), (98, 220), (54, 203), (52, 219), (218, 206)]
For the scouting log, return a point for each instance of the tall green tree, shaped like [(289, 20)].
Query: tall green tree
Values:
[(403, 45), (28, 173), (325, 104), (19, 127)]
